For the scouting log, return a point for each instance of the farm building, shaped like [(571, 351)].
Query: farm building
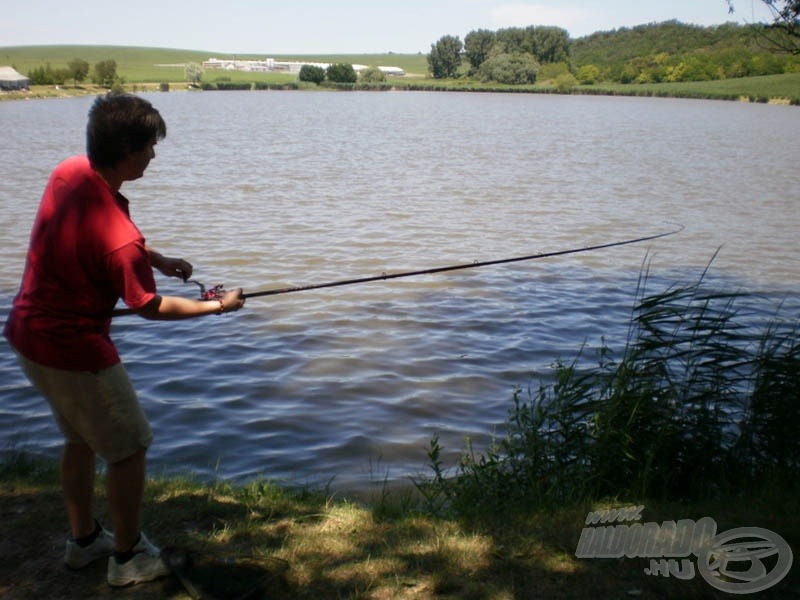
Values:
[(270, 64), (11, 80)]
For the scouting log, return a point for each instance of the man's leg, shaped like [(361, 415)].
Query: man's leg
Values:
[(125, 488), (77, 479), (135, 558)]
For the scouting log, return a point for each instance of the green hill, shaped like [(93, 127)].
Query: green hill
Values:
[(671, 37), (676, 52), (143, 65)]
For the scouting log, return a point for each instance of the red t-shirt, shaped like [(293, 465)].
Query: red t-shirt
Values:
[(85, 253)]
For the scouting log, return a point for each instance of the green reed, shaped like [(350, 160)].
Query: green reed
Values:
[(700, 402)]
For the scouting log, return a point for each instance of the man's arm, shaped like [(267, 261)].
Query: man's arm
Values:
[(174, 308), (171, 267)]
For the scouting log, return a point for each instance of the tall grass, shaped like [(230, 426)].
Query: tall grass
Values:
[(700, 402), (760, 88)]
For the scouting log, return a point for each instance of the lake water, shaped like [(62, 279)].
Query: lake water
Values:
[(348, 385)]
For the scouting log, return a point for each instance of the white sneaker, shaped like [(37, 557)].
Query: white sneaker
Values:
[(146, 565), (77, 557)]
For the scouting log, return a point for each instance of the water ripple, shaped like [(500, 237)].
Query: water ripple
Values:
[(350, 383)]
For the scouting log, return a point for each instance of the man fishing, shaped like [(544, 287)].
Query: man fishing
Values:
[(85, 254)]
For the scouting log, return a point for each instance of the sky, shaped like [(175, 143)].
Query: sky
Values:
[(328, 26)]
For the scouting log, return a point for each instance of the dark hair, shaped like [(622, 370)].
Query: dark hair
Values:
[(121, 124)]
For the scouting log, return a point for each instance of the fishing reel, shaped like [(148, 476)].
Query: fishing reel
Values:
[(215, 293)]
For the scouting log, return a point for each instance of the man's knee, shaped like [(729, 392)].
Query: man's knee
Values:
[(137, 457), (77, 452)]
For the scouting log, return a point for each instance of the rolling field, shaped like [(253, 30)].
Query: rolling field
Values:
[(155, 65), (150, 65)]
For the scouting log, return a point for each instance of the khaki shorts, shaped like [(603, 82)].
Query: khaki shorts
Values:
[(97, 408)]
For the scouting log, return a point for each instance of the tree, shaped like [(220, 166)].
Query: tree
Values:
[(37, 76), (515, 40), (341, 73), (545, 44), (477, 45), (445, 57), (373, 75), (692, 68), (786, 23), (78, 70), (517, 68), (312, 73), (41, 75), (550, 44), (105, 73), (589, 74), (48, 76), (193, 73), (60, 76)]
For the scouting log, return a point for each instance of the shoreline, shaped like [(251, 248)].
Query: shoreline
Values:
[(50, 92)]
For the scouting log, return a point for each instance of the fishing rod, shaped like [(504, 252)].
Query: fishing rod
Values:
[(213, 294), (218, 291)]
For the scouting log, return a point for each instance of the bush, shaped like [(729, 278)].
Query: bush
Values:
[(565, 83), (312, 73), (232, 85), (373, 75), (341, 73), (512, 69), (588, 74), (549, 71), (49, 76), (265, 85), (225, 86)]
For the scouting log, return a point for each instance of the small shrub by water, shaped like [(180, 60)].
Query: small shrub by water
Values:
[(699, 403), (226, 86)]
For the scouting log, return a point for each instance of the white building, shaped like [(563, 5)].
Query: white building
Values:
[(272, 65), (11, 80)]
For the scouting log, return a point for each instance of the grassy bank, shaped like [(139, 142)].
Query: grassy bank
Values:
[(277, 543), (768, 88), (778, 89), (773, 89), (697, 417)]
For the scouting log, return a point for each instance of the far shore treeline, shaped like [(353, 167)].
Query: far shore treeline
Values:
[(654, 53), (728, 61)]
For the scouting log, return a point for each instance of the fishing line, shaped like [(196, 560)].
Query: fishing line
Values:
[(218, 291), (472, 265)]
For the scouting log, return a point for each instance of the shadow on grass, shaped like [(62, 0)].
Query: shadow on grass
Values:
[(261, 541)]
